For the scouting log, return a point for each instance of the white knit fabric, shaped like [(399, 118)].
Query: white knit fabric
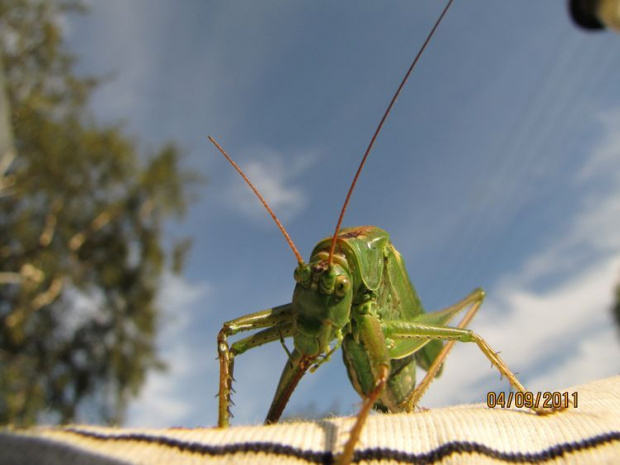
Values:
[(588, 434)]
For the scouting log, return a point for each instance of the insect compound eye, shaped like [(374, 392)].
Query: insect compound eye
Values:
[(303, 275), (343, 285)]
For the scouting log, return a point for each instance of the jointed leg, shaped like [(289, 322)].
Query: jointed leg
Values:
[(371, 335), (349, 448), (406, 330), (475, 301), (278, 322), (294, 369)]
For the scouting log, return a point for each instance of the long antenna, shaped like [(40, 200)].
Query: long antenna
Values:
[(273, 215), (378, 130)]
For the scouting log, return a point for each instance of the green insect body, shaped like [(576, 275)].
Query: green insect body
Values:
[(364, 301), (354, 294), (368, 287), (380, 290)]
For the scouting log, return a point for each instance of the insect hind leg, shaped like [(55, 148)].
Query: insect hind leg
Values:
[(473, 301), (409, 330)]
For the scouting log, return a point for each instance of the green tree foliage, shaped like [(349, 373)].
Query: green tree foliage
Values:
[(81, 219)]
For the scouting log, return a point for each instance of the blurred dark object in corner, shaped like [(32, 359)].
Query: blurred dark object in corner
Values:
[(596, 15)]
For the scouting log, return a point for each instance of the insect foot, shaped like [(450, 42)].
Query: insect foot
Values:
[(551, 410), (347, 454)]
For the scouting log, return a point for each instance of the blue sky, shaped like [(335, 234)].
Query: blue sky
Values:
[(499, 167)]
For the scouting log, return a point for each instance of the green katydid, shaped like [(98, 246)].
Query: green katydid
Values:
[(355, 294)]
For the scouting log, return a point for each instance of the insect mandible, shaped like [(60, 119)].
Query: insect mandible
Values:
[(355, 294)]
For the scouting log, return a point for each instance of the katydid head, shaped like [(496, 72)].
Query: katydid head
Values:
[(321, 305)]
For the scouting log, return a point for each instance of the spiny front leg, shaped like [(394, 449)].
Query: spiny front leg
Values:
[(226, 372), (279, 323)]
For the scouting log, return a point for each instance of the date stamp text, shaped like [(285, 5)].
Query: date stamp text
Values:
[(533, 400)]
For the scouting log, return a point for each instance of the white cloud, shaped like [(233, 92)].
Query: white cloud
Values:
[(563, 336), (594, 228), (543, 325), (557, 339), (275, 178), (161, 402)]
